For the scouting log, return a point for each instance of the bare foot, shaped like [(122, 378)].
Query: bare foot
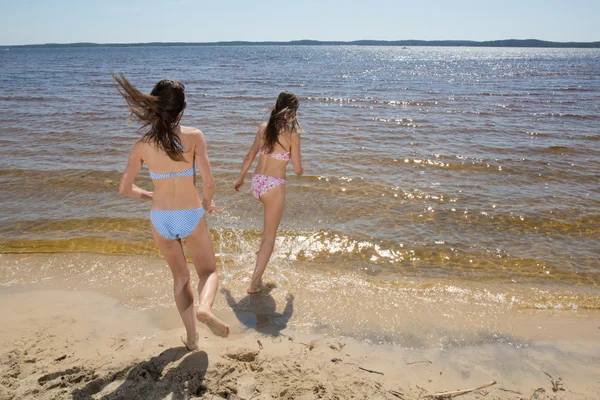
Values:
[(253, 290), (191, 345), (217, 326), (255, 287)]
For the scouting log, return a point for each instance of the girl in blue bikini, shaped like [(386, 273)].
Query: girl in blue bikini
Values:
[(276, 142), (172, 153)]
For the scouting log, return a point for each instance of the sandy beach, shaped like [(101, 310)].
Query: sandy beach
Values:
[(63, 344)]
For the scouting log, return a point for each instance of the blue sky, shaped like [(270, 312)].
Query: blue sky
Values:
[(132, 21)]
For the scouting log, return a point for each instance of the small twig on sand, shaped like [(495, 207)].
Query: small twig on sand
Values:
[(260, 346), (291, 370), (458, 392), (421, 389), (262, 362), (419, 362), (310, 345), (230, 370), (371, 371), (60, 358), (537, 393), (118, 348), (556, 385), (510, 391), (399, 395)]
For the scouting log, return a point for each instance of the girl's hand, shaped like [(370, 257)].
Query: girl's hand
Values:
[(238, 183), (145, 195), (209, 208)]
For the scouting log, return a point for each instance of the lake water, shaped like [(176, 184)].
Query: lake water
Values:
[(451, 175)]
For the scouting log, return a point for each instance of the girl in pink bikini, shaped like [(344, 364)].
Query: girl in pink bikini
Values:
[(276, 142)]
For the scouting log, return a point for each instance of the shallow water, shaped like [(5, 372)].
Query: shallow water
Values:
[(473, 168)]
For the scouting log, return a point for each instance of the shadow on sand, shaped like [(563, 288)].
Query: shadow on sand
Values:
[(145, 380), (258, 311)]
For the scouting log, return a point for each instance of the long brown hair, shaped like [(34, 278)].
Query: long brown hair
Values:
[(283, 115), (161, 110)]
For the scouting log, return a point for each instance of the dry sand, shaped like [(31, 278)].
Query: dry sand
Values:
[(58, 344)]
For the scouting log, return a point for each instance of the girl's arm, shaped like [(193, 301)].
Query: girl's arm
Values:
[(296, 159), (249, 159), (208, 182), (134, 164)]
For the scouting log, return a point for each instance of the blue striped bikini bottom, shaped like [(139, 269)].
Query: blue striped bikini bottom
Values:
[(176, 224)]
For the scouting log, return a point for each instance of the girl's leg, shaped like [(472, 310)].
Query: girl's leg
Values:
[(172, 251), (273, 202), (200, 246)]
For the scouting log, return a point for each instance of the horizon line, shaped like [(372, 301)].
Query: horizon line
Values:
[(361, 42)]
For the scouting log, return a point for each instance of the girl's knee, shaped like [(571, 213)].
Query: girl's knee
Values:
[(179, 281), (205, 264), (207, 271)]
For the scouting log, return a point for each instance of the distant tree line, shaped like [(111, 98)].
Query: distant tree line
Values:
[(403, 43)]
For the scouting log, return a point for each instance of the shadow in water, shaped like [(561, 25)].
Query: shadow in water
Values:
[(145, 380), (258, 311)]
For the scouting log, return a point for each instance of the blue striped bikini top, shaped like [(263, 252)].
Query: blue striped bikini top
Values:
[(188, 172)]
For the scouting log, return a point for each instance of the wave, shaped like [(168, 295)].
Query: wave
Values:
[(537, 134), (534, 73), (558, 150), (472, 112), (323, 248), (132, 236), (398, 121), (247, 98), (67, 181), (577, 89), (35, 99), (567, 115), (452, 163), (373, 101)]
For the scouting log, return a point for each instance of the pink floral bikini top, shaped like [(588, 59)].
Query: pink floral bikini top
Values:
[(278, 156)]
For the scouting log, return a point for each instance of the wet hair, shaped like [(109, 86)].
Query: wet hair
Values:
[(283, 116), (162, 110)]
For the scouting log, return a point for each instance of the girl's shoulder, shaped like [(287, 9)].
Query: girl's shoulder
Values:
[(289, 133), (143, 143), (260, 133), (262, 128), (191, 135), (190, 131)]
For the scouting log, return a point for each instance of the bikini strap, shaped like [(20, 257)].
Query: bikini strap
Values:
[(176, 143)]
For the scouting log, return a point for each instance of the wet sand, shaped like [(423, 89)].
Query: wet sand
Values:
[(85, 345)]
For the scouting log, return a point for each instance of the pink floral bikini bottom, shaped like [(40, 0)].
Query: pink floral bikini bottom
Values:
[(261, 184)]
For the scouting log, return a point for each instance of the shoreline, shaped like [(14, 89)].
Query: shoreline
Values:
[(86, 345), (412, 312)]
